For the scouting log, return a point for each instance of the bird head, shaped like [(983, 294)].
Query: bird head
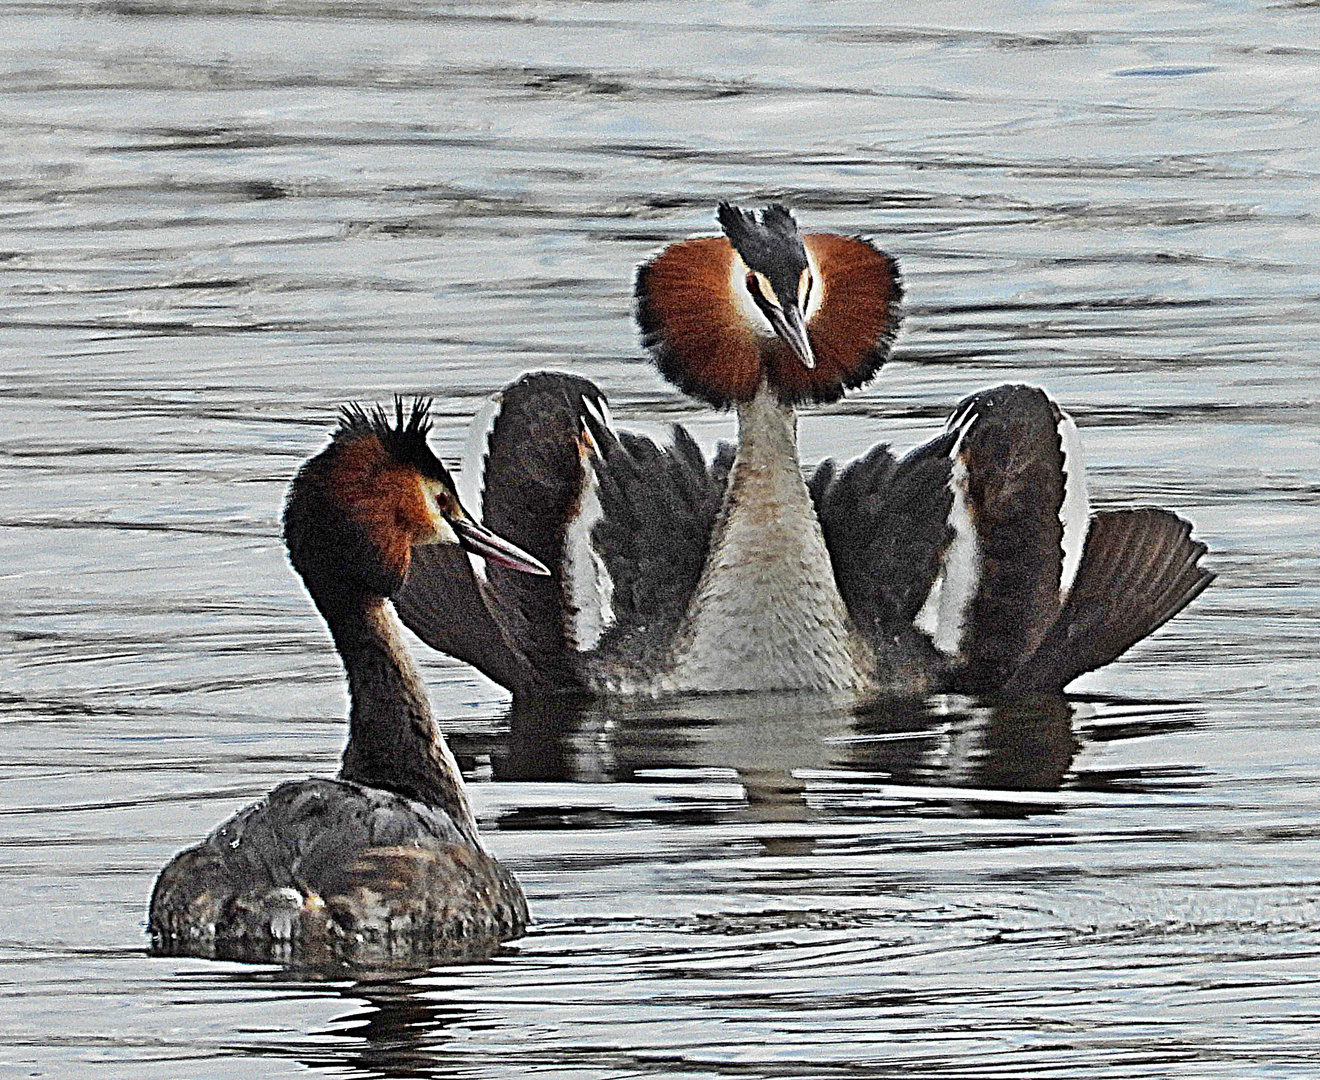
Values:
[(357, 509), (812, 314), (778, 279)]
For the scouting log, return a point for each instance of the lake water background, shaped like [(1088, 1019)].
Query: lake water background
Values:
[(220, 220)]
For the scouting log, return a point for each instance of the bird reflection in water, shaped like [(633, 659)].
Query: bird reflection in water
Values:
[(393, 1029), (398, 1027), (800, 757)]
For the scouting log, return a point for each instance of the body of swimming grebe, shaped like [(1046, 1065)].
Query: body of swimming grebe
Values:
[(973, 563), (383, 865)]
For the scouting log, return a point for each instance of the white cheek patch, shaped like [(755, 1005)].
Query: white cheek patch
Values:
[(446, 532), (742, 299), (817, 295), (943, 616), (471, 483), (588, 587), (1075, 514)]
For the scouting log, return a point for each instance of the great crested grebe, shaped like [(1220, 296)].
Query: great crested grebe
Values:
[(973, 563), (383, 864)]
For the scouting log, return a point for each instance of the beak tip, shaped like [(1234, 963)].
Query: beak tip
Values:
[(495, 549), (535, 566), (793, 329)]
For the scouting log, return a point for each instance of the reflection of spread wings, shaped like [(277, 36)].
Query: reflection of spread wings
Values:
[(784, 749)]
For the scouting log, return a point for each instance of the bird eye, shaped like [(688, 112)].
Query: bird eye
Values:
[(440, 498)]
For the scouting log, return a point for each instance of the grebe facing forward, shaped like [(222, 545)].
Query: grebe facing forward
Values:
[(382, 865), (972, 564)]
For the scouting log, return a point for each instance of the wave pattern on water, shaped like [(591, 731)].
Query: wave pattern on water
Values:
[(222, 218)]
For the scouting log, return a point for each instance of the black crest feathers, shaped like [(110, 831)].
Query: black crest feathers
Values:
[(770, 245), (404, 436)]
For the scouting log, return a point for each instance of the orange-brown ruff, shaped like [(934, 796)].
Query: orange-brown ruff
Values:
[(703, 343), (385, 496)]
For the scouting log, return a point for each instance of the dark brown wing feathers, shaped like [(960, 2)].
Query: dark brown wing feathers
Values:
[(1139, 569), (441, 603), (1014, 464)]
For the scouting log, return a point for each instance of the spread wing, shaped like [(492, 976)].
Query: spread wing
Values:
[(1139, 569), (523, 474), (622, 523), (886, 528), (1009, 482), (982, 542), (442, 602), (658, 510)]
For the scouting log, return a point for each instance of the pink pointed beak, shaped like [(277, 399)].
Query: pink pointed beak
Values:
[(481, 541)]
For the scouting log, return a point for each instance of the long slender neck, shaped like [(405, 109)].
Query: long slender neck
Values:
[(767, 614), (393, 740), (766, 470)]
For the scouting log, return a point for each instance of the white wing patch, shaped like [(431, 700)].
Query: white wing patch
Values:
[(943, 617), (1075, 513), (599, 410), (471, 482), (588, 587)]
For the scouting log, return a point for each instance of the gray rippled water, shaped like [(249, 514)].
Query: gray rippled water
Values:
[(221, 218)]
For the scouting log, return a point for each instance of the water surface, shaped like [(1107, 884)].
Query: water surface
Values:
[(221, 219)]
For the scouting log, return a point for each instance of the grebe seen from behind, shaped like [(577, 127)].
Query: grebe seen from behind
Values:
[(383, 865)]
